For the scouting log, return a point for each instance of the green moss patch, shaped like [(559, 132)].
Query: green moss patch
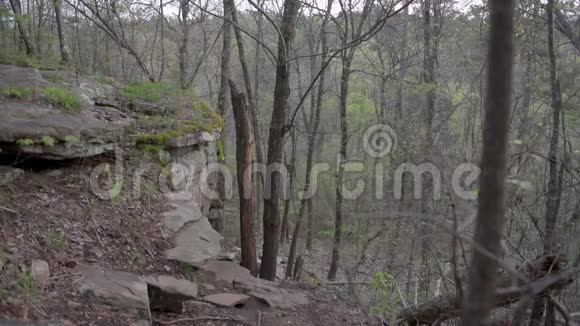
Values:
[(158, 140), (185, 114)]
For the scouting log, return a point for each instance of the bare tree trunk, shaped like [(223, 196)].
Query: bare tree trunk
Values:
[(218, 222), (2, 23), (351, 32), (318, 148), (314, 125), (430, 32), (538, 307), (39, 4), (344, 84), (481, 293), (290, 163), (17, 8), (525, 125), (162, 27), (554, 186), (242, 53), (257, 102), (402, 65), (258, 58), (278, 129), (550, 313), (65, 57), (310, 226), (284, 233), (248, 84), (183, 52), (244, 158)]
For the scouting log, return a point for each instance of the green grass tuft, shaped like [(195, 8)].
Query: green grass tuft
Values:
[(18, 92), (55, 241), (65, 99), (27, 284), (148, 92)]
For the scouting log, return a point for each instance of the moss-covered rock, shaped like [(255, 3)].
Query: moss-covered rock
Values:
[(173, 118)]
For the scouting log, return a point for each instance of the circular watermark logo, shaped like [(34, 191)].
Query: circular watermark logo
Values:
[(380, 140)]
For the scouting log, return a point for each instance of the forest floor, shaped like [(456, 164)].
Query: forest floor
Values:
[(53, 216)]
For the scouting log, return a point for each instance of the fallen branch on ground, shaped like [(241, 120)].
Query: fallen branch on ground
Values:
[(2, 208), (510, 290)]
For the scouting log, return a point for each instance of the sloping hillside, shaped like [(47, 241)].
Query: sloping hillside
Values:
[(102, 219)]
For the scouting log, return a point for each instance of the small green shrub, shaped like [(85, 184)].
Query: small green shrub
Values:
[(19, 92), (382, 287), (65, 99)]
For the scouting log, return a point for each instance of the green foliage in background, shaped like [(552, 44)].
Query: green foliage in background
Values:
[(20, 60)]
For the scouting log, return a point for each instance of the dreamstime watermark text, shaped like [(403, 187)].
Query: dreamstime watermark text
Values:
[(195, 173)]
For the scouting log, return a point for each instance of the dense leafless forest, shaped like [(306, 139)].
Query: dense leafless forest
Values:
[(419, 159)]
